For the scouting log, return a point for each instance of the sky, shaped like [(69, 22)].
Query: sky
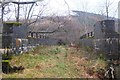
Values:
[(93, 6), (65, 7)]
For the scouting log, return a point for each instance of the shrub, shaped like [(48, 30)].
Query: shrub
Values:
[(60, 42)]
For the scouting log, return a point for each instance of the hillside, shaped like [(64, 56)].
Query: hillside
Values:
[(58, 62), (69, 28)]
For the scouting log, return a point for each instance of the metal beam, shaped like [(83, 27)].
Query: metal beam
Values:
[(23, 2)]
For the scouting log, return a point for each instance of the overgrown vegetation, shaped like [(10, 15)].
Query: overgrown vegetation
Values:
[(58, 62)]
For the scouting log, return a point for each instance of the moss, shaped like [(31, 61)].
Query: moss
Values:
[(13, 23), (90, 37)]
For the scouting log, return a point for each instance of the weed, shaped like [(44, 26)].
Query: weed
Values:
[(55, 50), (56, 61)]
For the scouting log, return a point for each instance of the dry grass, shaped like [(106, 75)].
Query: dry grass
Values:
[(57, 62)]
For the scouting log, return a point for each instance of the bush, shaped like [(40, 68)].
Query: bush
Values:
[(90, 71), (60, 42), (55, 51)]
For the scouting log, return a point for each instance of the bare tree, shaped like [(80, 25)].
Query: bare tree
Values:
[(84, 22), (3, 5), (17, 5), (106, 7)]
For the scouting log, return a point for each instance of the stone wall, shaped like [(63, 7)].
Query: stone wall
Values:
[(105, 38)]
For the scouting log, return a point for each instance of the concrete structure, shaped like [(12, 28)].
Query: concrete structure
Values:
[(42, 38), (104, 38), (9, 33), (6, 35)]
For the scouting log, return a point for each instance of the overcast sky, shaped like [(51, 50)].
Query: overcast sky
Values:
[(94, 6), (59, 7)]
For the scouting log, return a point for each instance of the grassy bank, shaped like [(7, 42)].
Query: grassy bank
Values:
[(57, 62)]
